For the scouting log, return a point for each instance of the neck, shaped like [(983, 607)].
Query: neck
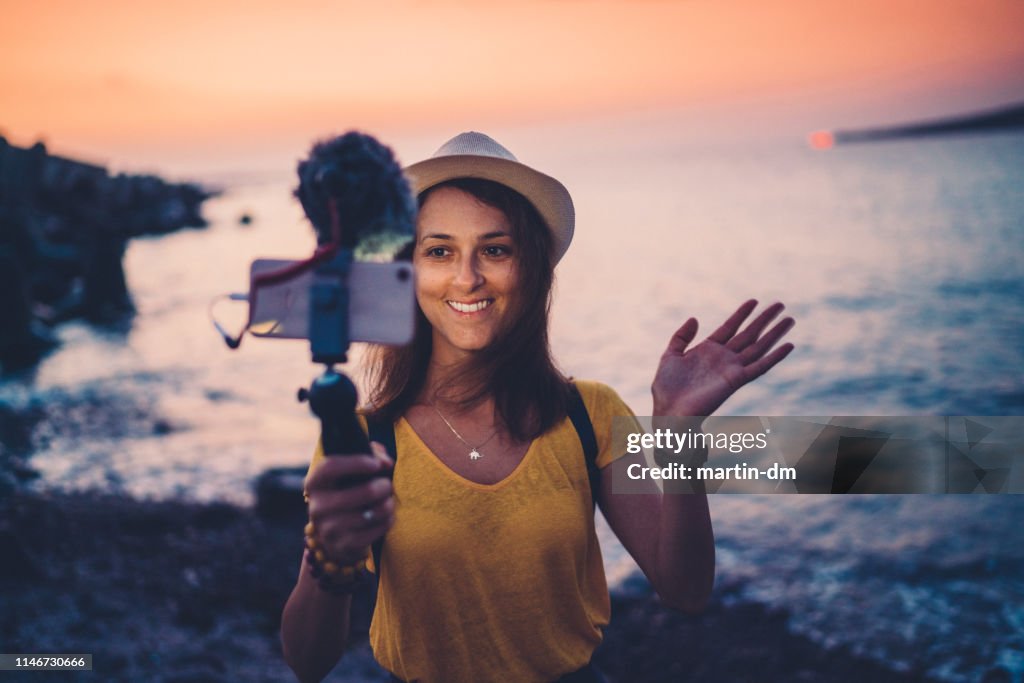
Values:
[(442, 389)]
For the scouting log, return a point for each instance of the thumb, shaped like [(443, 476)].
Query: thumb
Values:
[(381, 452)]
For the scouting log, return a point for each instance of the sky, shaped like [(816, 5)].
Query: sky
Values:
[(136, 83)]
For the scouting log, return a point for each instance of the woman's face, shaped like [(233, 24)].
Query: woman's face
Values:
[(466, 270)]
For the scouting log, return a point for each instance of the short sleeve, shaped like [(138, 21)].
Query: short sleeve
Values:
[(603, 405)]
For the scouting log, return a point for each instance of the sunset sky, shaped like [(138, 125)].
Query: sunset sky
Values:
[(136, 82)]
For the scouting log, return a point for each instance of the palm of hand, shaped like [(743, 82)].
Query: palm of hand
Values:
[(695, 382)]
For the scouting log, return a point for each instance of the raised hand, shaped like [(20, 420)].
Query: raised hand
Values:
[(696, 381)]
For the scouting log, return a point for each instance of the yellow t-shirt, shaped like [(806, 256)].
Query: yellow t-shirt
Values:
[(495, 582)]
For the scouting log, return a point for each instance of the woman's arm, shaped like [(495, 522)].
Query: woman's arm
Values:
[(315, 623), (670, 535), (314, 628)]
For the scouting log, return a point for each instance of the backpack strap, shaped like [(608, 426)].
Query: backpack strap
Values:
[(585, 431), (384, 433)]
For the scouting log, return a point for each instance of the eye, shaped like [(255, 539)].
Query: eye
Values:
[(497, 250), (436, 252)]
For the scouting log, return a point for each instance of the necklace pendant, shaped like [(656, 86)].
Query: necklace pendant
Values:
[(475, 454)]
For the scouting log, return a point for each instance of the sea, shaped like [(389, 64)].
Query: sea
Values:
[(901, 261)]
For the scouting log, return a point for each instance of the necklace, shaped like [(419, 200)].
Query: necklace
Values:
[(474, 451)]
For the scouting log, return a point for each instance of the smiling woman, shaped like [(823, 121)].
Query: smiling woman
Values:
[(466, 270), (490, 568), (484, 261)]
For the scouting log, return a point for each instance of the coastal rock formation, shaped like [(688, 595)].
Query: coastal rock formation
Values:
[(1006, 118), (200, 589), (64, 226)]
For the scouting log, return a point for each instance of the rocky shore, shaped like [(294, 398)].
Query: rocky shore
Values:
[(182, 593), (64, 226), (188, 593)]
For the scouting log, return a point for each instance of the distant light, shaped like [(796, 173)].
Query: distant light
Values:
[(821, 139)]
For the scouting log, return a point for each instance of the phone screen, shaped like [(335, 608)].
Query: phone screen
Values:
[(382, 303)]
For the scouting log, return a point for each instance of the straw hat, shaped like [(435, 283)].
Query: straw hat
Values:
[(475, 155)]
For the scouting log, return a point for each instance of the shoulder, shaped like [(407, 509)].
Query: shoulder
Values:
[(604, 405), (599, 397)]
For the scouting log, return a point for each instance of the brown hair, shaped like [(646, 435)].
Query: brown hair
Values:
[(529, 391)]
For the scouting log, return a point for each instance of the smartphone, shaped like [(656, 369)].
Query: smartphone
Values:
[(382, 303)]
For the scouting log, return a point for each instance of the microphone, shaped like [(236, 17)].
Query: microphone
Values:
[(353, 186), (360, 205)]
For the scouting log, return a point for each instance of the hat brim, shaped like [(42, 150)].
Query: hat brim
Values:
[(548, 196)]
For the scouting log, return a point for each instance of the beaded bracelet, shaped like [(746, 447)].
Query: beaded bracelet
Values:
[(330, 577)]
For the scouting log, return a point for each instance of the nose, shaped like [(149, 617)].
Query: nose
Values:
[(468, 275)]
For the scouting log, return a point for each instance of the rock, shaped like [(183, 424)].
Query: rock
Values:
[(279, 493), (15, 562), (64, 225)]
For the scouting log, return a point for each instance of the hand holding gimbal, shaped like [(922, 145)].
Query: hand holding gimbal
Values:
[(360, 205)]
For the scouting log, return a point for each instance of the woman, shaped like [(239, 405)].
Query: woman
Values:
[(490, 569)]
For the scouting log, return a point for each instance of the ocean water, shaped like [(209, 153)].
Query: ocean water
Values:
[(902, 263)]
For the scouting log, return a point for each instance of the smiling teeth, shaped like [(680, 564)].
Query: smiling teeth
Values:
[(470, 308)]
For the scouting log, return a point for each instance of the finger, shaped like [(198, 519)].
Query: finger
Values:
[(729, 327), (381, 452), (349, 545), (368, 517), (755, 370), (765, 343), (338, 468), (683, 336), (354, 499), (340, 530), (361, 539), (381, 511), (754, 329)]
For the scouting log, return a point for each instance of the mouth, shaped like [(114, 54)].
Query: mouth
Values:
[(469, 306)]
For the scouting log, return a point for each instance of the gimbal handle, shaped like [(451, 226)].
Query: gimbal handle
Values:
[(332, 398)]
